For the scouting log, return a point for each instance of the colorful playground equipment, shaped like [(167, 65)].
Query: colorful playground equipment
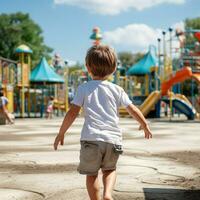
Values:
[(179, 76), (177, 101), (96, 36), (23, 73), (149, 82), (28, 91), (142, 82), (147, 66), (157, 82), (150, 102), (8, 80), (182, 106), (43, 77)]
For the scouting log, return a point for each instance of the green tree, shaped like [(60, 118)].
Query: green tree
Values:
[(127, 59), (190, 42), (76, 67), (191, 24), (138, 56), (18, 28)]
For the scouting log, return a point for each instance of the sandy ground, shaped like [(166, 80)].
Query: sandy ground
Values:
[(164, 168)]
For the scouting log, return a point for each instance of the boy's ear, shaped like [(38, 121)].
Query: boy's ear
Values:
[(88, 68)]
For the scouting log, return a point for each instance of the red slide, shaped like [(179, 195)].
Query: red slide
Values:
[(180, 76)]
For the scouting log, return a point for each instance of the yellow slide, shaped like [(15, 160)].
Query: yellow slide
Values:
[(184, 98), (150, 101)]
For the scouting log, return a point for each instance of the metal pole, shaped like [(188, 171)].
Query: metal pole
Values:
[(29, 94), (66, 90), (158, 72), (192, 92), (164, 59), (170, 52), (170, 49), (35, 101), (170, 44), (22, 84), (164, 54)]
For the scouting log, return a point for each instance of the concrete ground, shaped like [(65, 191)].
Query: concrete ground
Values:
[(166, 167)]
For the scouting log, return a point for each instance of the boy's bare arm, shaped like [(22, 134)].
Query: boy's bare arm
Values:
[(67, 122), (137, 114)]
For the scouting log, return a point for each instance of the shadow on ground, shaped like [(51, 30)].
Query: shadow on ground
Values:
[(171, 194)]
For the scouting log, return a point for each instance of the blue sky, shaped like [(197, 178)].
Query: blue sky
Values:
[(126, 24)]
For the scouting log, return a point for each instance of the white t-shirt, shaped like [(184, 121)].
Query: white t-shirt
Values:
[(100, 101)]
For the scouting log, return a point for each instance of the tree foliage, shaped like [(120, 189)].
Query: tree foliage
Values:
[(76, 67), (191, 24), (127, 59), (18, 28), (190, 42)]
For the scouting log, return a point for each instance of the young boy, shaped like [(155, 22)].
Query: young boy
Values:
[(101, 138)]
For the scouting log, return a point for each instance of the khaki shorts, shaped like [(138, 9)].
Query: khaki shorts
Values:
[(95, 155)]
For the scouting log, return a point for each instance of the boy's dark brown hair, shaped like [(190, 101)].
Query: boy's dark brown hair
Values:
[(101, 60)]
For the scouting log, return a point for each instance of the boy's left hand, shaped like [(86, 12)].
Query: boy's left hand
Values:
[(147, 131), (59, 139)]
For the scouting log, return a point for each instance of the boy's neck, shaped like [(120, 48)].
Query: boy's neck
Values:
[(99, 78)]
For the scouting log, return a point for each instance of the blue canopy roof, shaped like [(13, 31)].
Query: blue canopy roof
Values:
[(44, 73), (23, 49), (144, 65)]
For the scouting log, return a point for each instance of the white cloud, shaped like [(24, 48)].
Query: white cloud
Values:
[(180, 25), (114, 7), (138, 37), (71, 63), (134, 37)]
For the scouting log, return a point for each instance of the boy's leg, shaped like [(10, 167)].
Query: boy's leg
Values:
[(109, 178), (93, 187), (46, 115)]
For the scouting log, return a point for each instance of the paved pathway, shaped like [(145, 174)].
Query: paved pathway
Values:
[(166, 167)]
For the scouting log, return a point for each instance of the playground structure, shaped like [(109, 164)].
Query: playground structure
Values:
[(150, 82), (23, 71), (163, 83), (8, 80), (143, 78), (28, 90), (43, 77), (96, 35), (178, 101)]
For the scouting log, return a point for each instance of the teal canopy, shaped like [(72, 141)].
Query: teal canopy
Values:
[(144, 65), (44, 73), (23, 49)]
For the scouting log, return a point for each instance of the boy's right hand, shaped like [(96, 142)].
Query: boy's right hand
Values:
[(147, 131), (59, 139)]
